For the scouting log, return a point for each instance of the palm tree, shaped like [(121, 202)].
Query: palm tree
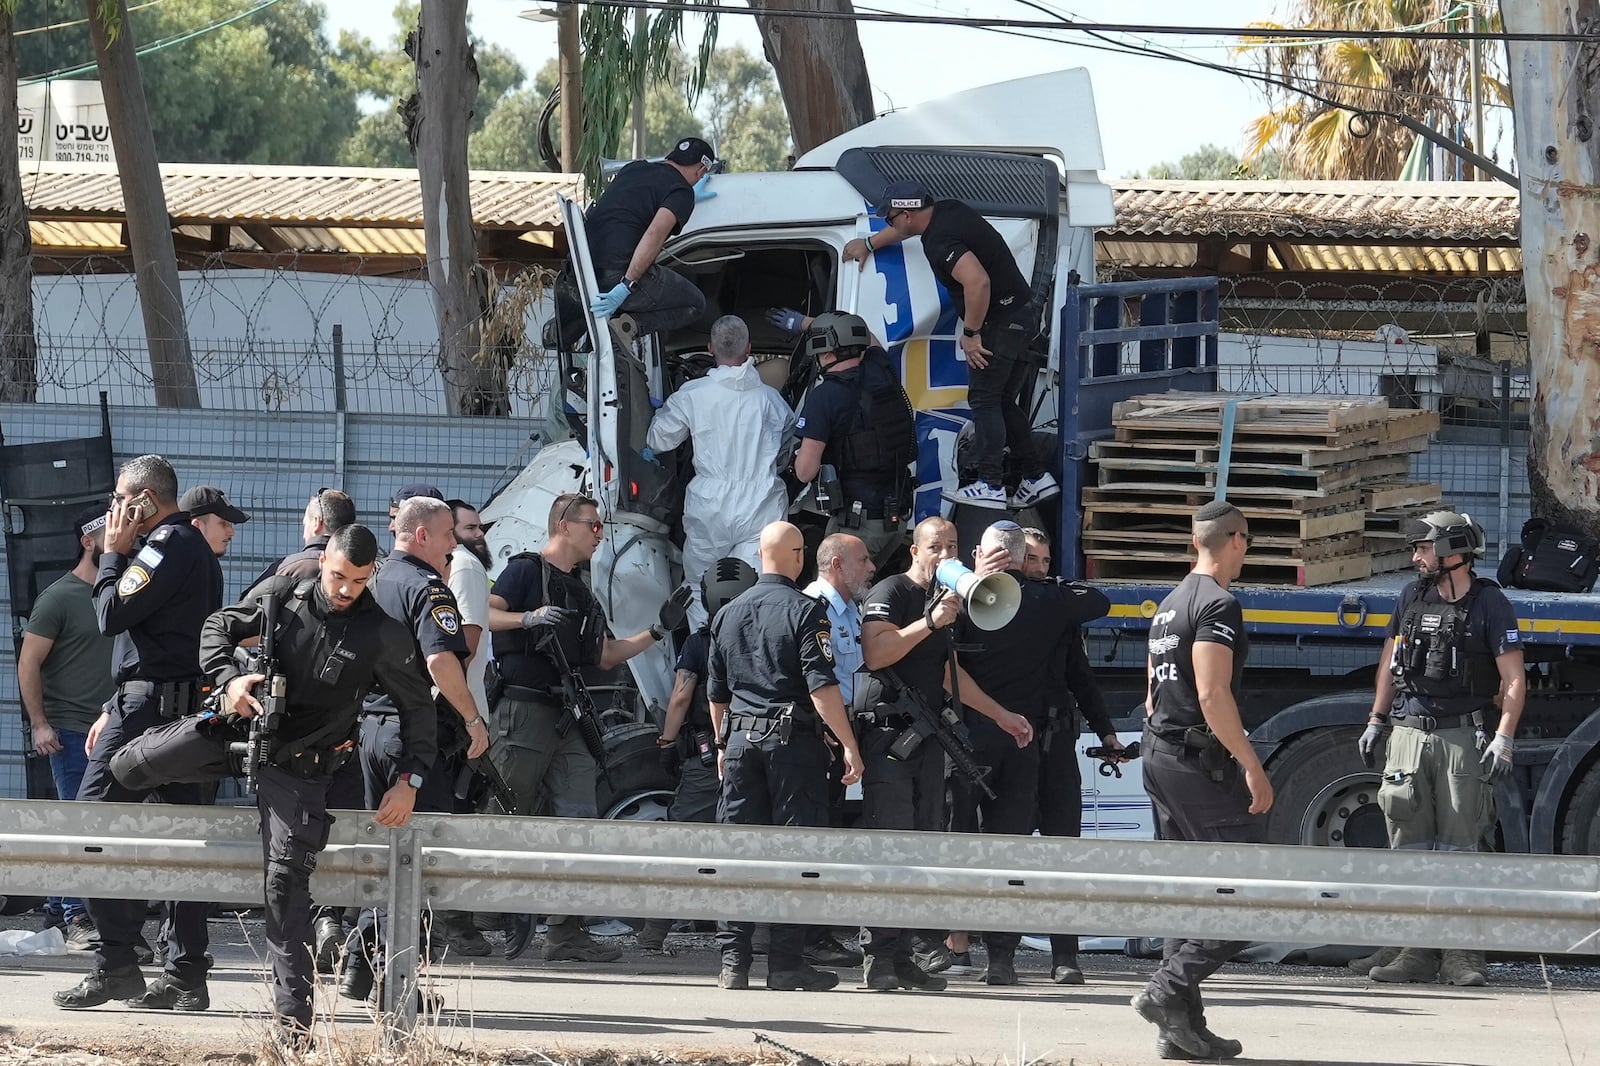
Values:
[(1427, 77)]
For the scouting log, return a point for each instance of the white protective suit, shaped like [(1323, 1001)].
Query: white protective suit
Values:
[(743, 432)]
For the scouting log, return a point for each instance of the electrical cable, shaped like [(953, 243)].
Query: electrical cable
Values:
[(158, 46), (78, 22)]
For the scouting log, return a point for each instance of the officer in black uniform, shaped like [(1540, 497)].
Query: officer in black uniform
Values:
[(1453, 655), (332, 640), (688, 739), (410, 589), (858, 420), (772, 692), (327, 512), (1020, 665), (153, 602), (1204, 780)]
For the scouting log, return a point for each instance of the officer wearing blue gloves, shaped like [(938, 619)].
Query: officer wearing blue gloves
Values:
[(646, 203)]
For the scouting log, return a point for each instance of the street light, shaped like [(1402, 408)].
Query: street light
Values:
[(541, 14)]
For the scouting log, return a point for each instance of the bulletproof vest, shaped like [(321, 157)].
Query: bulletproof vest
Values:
[(1431, 656), (595, 627), (882, 437)]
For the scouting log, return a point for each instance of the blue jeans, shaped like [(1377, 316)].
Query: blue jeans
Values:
[(67, 766)]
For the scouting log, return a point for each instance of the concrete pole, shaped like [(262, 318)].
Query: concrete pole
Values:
[(568, 44)]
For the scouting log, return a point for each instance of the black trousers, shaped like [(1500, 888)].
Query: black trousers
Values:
[(994, 394), (1189, 805), (768, 782), (1061, 815), (294, 830), (1014, 778), (117, 921), (899, 794)]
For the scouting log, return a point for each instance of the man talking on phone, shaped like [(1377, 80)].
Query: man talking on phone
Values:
[(152, 595)]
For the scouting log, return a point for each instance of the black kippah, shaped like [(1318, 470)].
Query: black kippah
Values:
[(1214, 510)]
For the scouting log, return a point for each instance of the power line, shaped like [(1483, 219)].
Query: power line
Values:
[(170, 42), (78, 22)]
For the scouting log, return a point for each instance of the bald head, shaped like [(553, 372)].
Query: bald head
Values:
[(783, 550)]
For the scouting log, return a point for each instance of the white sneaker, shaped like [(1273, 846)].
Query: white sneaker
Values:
[(1035, 490), (979, 494)]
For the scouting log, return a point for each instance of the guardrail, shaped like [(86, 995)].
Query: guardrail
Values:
[(1532, 903)]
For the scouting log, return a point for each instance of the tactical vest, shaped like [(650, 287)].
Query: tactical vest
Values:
[(881, 439), (594, 625), (1431, 656)]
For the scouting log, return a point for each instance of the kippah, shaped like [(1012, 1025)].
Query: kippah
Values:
[(1214, 510)]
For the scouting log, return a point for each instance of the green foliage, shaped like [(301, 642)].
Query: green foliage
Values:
[(509, 139), (1212, 162)]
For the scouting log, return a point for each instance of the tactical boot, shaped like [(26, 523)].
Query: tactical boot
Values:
[(1221, 1046), (826, 950), (879, 975), (1411, 965), (356, 981), (1173, 1028), (805, 979), (1002, 970), (469, 943), (570, 942), (1465, 968), (519, 933), (102, 986), (910, 975), (734, 978), (1065, 970), (1381, 957), (329, 938), (653, 935), (168, 993)]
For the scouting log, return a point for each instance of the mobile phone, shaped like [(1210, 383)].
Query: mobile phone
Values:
[(141, 506)]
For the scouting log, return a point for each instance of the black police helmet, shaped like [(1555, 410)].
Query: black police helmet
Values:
[(837, 331), (1449, 533), (726, 579)]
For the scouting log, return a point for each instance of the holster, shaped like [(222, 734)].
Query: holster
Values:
[(174, 699), (1215, 759)]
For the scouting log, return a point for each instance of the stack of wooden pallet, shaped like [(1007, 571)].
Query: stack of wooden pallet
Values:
[(1307, 471), (1391, 507)]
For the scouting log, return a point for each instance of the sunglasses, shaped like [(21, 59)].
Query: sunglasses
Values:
[(892, 215), (594, 524), (1249, 538)]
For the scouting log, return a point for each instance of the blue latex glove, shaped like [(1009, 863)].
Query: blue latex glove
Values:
[(656, 403), (786, 319), (702, 189), (608, 304), (648, 455)]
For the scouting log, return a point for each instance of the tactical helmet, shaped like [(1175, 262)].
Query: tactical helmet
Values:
[(837, 331), (726, 579), (1450, 533)]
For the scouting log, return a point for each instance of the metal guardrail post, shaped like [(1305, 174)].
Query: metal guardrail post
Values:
[(403, 939)]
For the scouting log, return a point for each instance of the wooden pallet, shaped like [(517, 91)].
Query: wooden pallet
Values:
[(1158, 516), (1161, 567), (1263, 547), (1248, 480), (1271, 415), (1279, 453), (1385, 496)]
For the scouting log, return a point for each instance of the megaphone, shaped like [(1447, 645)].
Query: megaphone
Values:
[(991, 601)]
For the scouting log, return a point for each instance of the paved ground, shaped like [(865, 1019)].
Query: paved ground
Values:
[(668, 1009)]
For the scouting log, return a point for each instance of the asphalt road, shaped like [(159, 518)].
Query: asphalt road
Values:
[(671, 1007)]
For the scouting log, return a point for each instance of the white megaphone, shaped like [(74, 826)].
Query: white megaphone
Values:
[(991, 601)]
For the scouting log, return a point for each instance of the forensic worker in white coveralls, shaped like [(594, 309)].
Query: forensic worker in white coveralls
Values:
[(743, 434)]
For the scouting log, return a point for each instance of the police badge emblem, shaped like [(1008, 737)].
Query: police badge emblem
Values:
[(447, 620), (133, 580)]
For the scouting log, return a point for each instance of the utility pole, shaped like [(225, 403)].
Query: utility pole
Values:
[(1475, 89), (1555, 89), (569, 40)]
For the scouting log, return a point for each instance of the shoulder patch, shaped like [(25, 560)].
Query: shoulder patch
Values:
[(800, 423), (160, 534), (134, 580), (150, 556), (447, 620), (825, 644)]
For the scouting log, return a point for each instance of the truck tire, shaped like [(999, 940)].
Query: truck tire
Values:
[(1580, 827), (1324, 794), (639, 789)]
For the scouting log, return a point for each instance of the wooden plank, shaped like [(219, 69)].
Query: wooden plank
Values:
[(1287, 413), (1186, 498), (1263, 521), (1388, 495), (1160, 567), (1251, 452), (1263, 547)]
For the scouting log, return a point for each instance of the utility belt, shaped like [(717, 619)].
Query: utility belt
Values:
[(883, 718), (1196, 744), (1429, 723), (787, 720), (174, 699), (523, 694)]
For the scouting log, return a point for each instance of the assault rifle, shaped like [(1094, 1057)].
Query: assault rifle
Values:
[(943, 726), (459, 741), (256, 750), (577, 706)]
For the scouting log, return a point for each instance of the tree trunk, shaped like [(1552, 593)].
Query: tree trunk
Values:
[(155, 262), (1556, 89), (19, 350), (822, 72), (437, 120)]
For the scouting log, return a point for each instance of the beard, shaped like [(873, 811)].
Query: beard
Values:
[(480, 550), (94, 557)]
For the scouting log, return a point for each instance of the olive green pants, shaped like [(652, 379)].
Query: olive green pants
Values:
[(1434, 795)]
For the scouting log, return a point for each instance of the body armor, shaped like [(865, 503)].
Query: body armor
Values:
[(1431, 654)]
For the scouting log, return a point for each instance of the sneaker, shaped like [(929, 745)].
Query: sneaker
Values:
[(80, 934), (960, 964), (805, 979), (734, 978), (979, 494), (936, 959), (579, 948), (1035, 490), (165, 993), (827, 951), (1172, 1024), (912, 976), (1002, 971), (879, 975), (102, 986), (470, 944), (653, 936)]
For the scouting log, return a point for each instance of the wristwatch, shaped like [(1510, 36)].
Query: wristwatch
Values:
[(414, 780), (965, 332)]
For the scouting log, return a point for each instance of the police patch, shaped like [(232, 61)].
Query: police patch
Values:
[(133, 580), (447, 620), (825, 645)]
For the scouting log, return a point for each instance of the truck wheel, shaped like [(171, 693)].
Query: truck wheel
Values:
[(1580, 828), (1325, 796), (640, 790)]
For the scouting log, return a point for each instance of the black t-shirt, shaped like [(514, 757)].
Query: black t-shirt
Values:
[(831, 412), (625, 210), (1492, 630), (526, 584), (695, 657), (412, 592), (1198, 611), (956, 229), (900, 601)]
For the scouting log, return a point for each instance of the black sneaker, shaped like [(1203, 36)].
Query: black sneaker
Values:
[(80, 934), (805, 979), (934, 959), (827, 951), (102, 986), (910, 975), (960, 964), (166, 993), (1172, 1025), (329, 939), (357, 979)]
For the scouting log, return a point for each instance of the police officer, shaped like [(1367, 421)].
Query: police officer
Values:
[(331, 641), (973, 262), (772, 690), (211, 513), (858, 420), (153, 602), (687, 740), (1453, 654), (905, 640), (1020, 665), (540, 596), (1203, 778), (410, 589), (326, 513)]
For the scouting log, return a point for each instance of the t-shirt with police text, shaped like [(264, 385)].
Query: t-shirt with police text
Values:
[(1198, 611)]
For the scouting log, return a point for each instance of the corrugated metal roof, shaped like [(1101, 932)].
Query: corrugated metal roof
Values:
[(1331, 212)]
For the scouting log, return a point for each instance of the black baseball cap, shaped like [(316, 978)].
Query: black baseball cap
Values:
[(420, 488), (908, 195), (90, 519), (692, 151), (208, 499)]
